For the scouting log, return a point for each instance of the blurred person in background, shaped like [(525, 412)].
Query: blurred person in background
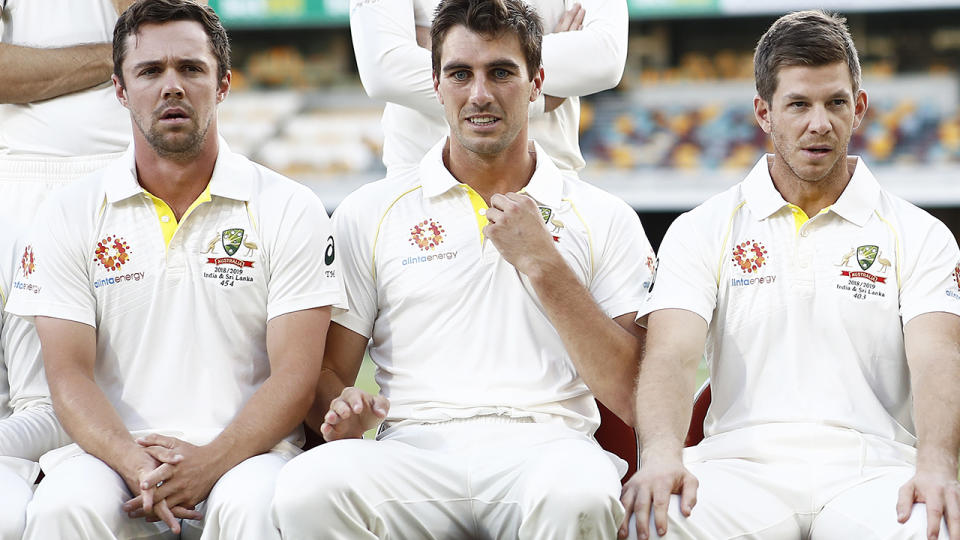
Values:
[(498, 294), (584, 53), (182, 296), (828, 309), (28, 425)]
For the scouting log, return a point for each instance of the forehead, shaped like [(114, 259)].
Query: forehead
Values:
[(463, 46), (829, 79), (167, 41)]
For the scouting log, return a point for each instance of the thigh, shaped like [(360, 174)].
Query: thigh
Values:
[(868, 510), (736, 499), (363, 488), (15, 493), (82, 498)]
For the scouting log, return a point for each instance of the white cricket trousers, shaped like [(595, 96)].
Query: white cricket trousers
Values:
[(482, 478), (81, 499), (797, 481), (15, 494), (25, 181)]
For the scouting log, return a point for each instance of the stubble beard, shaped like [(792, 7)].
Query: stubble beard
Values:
[(179, 149), (795, 149)]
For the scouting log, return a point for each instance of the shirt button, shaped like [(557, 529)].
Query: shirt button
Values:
[(805, 233), (482, 211), (165, 219)]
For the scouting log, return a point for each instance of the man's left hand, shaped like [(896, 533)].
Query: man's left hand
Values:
[(184, 484), (516, 228), (940, 492)]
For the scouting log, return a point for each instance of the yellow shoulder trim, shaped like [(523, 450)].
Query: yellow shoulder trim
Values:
[(376, 237), (573, 207), (726, 238), (896, 245)]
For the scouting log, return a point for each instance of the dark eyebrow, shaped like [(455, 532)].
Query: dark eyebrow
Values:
[(499, 63), (180, 62)]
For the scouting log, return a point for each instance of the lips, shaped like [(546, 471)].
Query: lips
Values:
[(482, 120), (174, 113)]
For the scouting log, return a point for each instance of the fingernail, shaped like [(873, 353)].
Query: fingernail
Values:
[(661, 532), (643, 536)]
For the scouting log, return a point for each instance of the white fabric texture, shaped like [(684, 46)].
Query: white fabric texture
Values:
[(15, 493), (85, 123), (395, 69), (82, 499), (446, 317), (470, 479)]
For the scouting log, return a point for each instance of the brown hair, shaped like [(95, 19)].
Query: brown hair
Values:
[(490, 18), (803, 38), (161, 11)]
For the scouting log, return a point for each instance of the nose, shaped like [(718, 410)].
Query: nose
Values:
[(172, 87), (480, 92), (819, 121)]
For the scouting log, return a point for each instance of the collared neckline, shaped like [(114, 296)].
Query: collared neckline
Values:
[(858, 200), (545, 186), (229, 178)]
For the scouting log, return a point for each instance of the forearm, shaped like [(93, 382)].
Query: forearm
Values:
[(329, 386), (92, 422), (272, 413), (605, 354), (590, 60), (31, 432), (30, 74)]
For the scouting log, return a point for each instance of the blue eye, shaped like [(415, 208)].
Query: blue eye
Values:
[(459, 75)]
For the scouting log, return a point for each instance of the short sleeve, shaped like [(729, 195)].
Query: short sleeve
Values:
[(303, 261), (931, 277), (52, 279), (686, 274), (624, 266), (357, 264)]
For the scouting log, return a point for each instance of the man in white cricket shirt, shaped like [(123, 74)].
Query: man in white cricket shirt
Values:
[(829, 312), (498, 292), (182, 296), (28, 425), (583, 53)]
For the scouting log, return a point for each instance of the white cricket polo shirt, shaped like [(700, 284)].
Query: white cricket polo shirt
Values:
[(89, 122), (806, 316), (457, 331), (181, 328)]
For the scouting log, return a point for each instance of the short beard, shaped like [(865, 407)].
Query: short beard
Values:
[(181, 150)]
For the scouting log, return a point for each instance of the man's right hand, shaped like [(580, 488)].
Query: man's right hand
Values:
[(139, 464), (651, 487), (353, 413)]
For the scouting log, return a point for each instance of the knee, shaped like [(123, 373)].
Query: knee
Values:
[(13, 518), (311, 482)]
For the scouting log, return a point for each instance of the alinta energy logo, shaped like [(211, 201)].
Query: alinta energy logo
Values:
[(866, 257), (956, 281), (112, 252), (427, 235), (749, 257), (28, 262)]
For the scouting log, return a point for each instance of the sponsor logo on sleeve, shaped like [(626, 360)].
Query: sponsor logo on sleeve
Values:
[(954, 292), (749, 258), (28, 265)]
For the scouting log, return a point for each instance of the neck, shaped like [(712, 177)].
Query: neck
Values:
[(811, 196), (507, 171), (177, 182)]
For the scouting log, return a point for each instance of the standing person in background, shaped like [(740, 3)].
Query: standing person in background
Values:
[(829, 311), (28, 425), (59, 118), (182, 296), (584, 53)]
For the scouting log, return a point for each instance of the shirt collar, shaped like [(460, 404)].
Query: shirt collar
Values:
[(856, 203), (545, 186), (231, 177)]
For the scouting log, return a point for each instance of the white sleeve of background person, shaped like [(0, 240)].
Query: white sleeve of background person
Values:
[(622, 275), (29, 427), (60, 285), (930, 266), (355, 254), (590, 60), (392, 66), (686, 276), (303, 267)]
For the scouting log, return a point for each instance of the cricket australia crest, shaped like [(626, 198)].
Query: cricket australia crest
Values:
[(866, 255), (231, 239)]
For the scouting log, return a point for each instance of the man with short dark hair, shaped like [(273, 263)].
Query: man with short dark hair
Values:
[(829, 311), (181, 297), (499, 294)]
